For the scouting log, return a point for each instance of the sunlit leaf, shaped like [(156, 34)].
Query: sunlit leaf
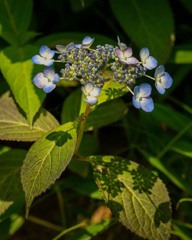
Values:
[(143, 23), (136, 196), (183, 147), (182, 55), (10, 183), (15, 16), (46, 160), (15, 127), (17, 68)]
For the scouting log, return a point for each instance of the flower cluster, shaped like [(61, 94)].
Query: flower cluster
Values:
[(86, 65)]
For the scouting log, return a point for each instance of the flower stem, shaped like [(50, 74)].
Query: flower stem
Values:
[(82, 126), (149, 77)]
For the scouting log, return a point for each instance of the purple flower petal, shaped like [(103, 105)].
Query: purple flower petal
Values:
[(127, 53), (87, 41), (130, 60), (119, 53)]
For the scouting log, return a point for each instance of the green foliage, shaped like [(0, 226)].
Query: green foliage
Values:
[(143, 23), (58, 137), (137, 197), (46, 160)]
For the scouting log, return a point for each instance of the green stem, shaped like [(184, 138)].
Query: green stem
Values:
[(82, 126), (61, 205), (44, 223), (82, 224)]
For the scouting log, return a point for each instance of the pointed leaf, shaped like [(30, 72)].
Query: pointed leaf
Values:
[(15, 16), (10, 182), (15, 127), (17, 67), (136, 196), (143, 23), (46, 160)]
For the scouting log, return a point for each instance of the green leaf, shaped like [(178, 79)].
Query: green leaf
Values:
[(107, 113), (17, 68), (10, 183), (111, 90), (182, 54), (183, 147), (46, 160), (67, 37), (136, 196), (92, 231), (15, 16), (143, 23), (15, 127)]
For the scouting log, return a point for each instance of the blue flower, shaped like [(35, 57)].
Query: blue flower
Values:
[(91, 92), (125, 56), (148, 61), (45, 57), (86, 43), (141, 98), (162, 79), (46, 80)]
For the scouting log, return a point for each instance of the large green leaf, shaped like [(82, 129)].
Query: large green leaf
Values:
[(46, 160), (15, 16), (136, 196), (10, 182), (144, 22), (15, 127), (107, 113), (17, 68)]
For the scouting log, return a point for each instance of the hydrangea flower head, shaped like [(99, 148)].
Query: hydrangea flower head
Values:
[(148, 61), (125, 56), (86, 43), (46, 80), (141, 98), (91, 92), (162, 79), (45, 56)]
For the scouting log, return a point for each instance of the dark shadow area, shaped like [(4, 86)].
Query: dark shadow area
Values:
[(162, 214), (60, 137)]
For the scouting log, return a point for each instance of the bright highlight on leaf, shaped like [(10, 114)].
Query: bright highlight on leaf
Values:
[(136, 196)]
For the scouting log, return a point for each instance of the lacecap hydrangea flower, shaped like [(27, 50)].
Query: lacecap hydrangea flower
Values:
[(87, 66), (45, 56), (141, 98), (46, 80)]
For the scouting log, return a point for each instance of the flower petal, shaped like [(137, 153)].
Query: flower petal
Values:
[(136, 102), (160, 87), (49, 73), (87, 41), (159, 71), (49, 87), (46, 52), (144, 54), (127, 52), (87, 88), (145, 90), (95, 92), (130, 60), (119, 53), (166, 80), (150, 63), (40, 80), (147, 104), (91, 100), (56, 78), (38, 59)]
